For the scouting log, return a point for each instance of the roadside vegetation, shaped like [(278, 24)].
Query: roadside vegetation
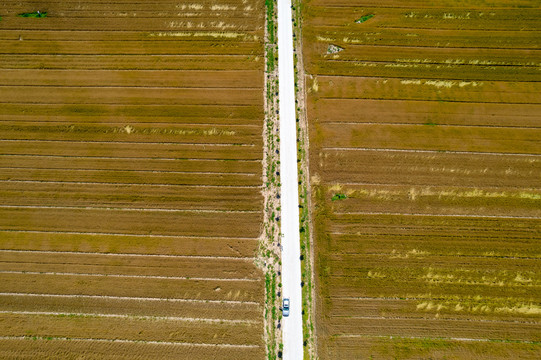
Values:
[(304, 188), (269, 252)]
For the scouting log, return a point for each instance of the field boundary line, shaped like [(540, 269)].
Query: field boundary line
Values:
[(447, 47), (137, 317), (128, 209), (419, 78), (130, 142), (90, 120), (126, 158), (424, 125), (454, 101), (128, 235), (437, 186), (337, 257), (158, 277), (249, 259), (125, 341), (401, 298), (241, 72), (442, 215), (428, 151), (132, 170), (131, 87), (122, 55), (133, 298), (409, 7), (356, 77), (37, 103), (458, 29), (128, 184)]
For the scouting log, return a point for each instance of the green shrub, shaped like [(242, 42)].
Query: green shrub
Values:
[(35, 14), (364, 18), (339, 197)]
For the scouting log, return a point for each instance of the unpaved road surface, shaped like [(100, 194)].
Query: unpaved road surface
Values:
[(291, 265)]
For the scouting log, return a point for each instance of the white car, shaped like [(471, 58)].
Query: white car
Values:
[(285, 307)]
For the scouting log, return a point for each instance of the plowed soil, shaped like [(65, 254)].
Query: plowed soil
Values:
[(425, 150), (130, 180)]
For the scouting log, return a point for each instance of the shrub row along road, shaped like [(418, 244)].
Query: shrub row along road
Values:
[(291, 266)]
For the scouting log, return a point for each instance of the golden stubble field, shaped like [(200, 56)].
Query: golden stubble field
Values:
[(130, 179), (425, 164)]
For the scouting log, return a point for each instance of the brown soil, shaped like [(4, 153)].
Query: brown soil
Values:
[(132, 128), (424, 171)]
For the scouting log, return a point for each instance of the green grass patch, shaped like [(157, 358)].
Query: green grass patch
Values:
[(270, 60), (35, 14), (364, 18), (339, 197), (270, 21)]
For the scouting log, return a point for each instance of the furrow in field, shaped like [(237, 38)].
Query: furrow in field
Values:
[(132, 287), (376, 111), (132, 177), (126, 350), (501, 92), (426, 168), (130, 149), (119, 316), (119, 221), (38, 266), (152, 300), (69, 162), (117, 243), (184, 308), (129, 95), (433, 138), (240, 79), (130, 62), (219, 198), (131, 329)]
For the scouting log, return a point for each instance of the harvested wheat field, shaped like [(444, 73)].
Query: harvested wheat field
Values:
[(425, 162), (130, 179)]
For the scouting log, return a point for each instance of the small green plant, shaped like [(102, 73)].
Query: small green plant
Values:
[(364, 18), (339, 197), (35, 14)]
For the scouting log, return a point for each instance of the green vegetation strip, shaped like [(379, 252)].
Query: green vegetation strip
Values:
[(364, 18), (35, 14), (306, 267), (271, 26), (270, 290), (339, 197)]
